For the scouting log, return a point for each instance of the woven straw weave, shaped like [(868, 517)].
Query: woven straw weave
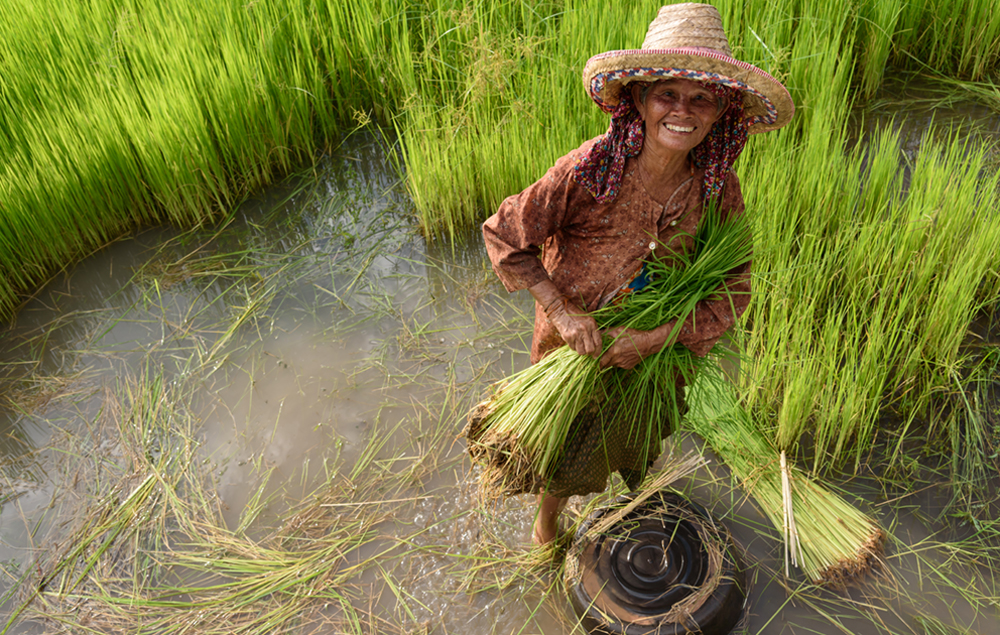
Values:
[(687, 25)]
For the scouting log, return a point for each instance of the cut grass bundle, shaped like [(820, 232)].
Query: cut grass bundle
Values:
[(830, 540), (520, 432)]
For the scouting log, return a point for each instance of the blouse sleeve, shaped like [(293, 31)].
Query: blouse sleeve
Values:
[(714, 316), (515, 234)]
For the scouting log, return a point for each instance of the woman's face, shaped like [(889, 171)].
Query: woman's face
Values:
[(678, 113)]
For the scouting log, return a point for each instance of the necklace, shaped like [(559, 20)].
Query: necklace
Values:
[(666, 206), (655, 192)]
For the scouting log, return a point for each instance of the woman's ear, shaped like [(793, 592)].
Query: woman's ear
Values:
[(723, 107), (636, 89)]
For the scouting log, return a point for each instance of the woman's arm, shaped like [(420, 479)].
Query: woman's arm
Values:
[(514, 236)]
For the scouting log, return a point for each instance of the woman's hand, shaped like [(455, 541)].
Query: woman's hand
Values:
[(629, 346), (576, 327)]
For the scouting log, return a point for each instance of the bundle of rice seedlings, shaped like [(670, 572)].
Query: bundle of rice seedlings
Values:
[(831, 541), (519, 432)]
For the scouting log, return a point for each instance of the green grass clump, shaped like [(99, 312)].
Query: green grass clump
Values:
[(120, 114), (872, 305)]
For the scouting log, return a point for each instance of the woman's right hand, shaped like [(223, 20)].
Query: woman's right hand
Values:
[(574, 325), (577, 328)]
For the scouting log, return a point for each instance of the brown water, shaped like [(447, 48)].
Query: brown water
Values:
[(350, 329)]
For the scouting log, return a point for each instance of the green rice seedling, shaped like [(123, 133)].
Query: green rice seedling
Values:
[(831, 541), (963, 41), (124, 114), (877, 31), (985, 91), (521, 429), (842, 243), (971, 436)]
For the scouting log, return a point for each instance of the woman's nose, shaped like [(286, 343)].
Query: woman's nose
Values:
[(681, 104)]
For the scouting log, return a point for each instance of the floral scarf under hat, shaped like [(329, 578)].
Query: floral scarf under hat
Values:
[(600, 170)]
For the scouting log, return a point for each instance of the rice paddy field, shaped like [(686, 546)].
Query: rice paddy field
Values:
[(247, 309)]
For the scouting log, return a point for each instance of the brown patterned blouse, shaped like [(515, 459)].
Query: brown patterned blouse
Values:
[(555, 228)]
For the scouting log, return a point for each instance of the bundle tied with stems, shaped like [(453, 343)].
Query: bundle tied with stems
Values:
[(830, 540), (519, 432)]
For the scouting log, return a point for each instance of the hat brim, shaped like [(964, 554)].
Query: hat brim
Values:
[(766, 101)]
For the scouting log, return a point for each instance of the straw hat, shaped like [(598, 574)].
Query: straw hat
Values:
[(687, 41)]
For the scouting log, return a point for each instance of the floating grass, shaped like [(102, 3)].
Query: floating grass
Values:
[(151, 552), (521, 430)]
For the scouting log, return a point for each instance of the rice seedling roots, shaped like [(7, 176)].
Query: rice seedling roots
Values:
[(506, 469), (851, 571)]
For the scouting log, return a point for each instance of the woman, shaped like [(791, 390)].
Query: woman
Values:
[(577, 239)]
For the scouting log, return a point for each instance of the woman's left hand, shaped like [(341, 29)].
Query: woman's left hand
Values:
[(631, 346)]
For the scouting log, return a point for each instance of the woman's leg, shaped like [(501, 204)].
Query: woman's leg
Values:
[(547, 518)]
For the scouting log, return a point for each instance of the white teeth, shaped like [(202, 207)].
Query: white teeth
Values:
[(679, 128)]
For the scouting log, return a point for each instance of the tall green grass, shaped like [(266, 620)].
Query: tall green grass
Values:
[(124, 113), (869, 289)]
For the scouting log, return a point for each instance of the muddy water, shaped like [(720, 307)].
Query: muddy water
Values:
[(316, 326)]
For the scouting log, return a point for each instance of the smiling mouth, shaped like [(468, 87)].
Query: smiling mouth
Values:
[(674, 128)]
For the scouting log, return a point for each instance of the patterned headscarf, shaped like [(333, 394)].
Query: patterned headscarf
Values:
[(600, 169)]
